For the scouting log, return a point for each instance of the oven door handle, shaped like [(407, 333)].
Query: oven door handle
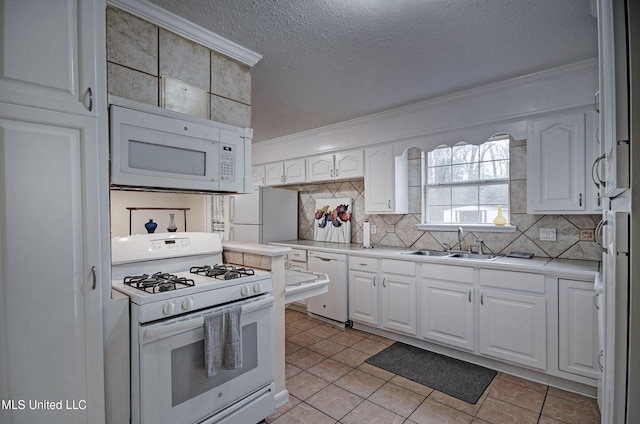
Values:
[(161, 332)]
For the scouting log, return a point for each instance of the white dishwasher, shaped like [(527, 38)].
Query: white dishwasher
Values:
[(333, 304)]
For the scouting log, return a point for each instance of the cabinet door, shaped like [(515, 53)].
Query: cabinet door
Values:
[(258, 175), (52, 230), (321, 168), (447, 313), (349, 164), (378, 180), (363, 297), (556, 164), (49, 53), (513, 327), (295, 171), (578, 326), (274, 174), (399, 303)]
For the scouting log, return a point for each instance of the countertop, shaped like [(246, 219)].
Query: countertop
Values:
[(567, 268)]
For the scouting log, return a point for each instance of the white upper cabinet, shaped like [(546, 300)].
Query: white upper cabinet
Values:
[(613, 96), (49, 53), (337, 166), (287, 172), (258, 175), (386, 181), (558, 161)]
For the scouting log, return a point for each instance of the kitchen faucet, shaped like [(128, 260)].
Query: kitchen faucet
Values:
[(460, 235)]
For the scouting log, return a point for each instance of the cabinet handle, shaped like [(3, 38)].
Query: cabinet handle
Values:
[(600, 356), (93, 276), (595, 301), (595, 174), (482, 298), (389, 205), (469, 296), (337, 173), (580, 200), (90, 92), (383, 282), (331, 173), (374, 281)]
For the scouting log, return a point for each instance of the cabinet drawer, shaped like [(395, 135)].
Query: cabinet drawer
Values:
[(512, 280), (460, 274), (298, 255), (363, 264), (399, 267)]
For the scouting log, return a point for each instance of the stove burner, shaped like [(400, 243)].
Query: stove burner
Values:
[(158, 282), (221, 272)]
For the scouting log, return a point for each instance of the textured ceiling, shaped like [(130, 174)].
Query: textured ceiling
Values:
[(328, 61)]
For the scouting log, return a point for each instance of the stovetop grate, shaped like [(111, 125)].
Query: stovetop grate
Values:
[(222, 272), (158, 282)]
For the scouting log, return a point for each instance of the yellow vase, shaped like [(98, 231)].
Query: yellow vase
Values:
[(499, 220)]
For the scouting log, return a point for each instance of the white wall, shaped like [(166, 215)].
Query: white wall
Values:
[(471, 115), (198, 217)]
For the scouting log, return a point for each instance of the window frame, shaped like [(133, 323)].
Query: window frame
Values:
[(478, 227)]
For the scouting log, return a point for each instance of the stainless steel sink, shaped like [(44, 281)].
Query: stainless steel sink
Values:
[(484, 257), (427, 253)]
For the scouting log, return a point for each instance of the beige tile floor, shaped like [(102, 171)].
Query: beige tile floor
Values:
[(329, 382)]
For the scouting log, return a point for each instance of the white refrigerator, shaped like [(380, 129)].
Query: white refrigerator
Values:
[(267, 214)]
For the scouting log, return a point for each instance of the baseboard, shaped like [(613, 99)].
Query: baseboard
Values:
[(281, 398)]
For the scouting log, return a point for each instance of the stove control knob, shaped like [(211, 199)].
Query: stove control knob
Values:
[(244, 291), (257, 288), (169, 308), (187, 304)]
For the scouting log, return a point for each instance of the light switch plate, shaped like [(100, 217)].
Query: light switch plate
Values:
[(547, 234)]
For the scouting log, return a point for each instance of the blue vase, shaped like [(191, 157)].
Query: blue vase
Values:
[(150, 226)]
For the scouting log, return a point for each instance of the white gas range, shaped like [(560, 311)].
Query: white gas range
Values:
[(174, 281)]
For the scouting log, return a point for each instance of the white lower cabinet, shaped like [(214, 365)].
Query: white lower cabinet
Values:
[(513, 324), (447, 305), (399, 296), (363, 290), (578, 325)]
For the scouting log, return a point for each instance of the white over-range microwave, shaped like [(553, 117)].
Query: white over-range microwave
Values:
[(158, 149)]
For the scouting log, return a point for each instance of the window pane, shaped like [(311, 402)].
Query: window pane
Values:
[(468, 215), (494, 170), (439, 175), (440, 214), (494, 194), (439, 157), (439, 196), (466, 172), (464, 153), (464, 195), (494, 150)]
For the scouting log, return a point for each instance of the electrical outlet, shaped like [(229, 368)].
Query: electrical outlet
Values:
[(547, 234), (587, 235), (374, 229)]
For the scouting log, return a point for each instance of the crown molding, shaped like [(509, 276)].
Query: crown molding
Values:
[(171, 22)]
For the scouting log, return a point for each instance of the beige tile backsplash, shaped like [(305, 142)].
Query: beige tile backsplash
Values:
[(139, 53), (400, 230)]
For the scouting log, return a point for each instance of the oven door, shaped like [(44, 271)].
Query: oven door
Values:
[(173, 385)]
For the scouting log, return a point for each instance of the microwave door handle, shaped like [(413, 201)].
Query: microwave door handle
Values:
[(232, 209)]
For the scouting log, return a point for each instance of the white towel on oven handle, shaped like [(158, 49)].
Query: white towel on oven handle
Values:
[(223, 340)]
